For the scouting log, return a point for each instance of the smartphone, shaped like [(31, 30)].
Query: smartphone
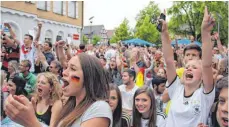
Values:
[(159, 26), (58, 38)]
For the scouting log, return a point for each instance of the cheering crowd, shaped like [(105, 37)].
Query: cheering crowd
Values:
[(61, 85)]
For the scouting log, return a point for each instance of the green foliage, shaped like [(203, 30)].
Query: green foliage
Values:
[(96, 39), (144, 29), (187, 17), (147, 31), (122, 32), (85, 39), (152, 10)]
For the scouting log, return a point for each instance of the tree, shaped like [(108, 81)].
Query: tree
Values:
[(152, 10), (96, 39), (85, 39), (147, 31), (122, 32), (144, 29), (187, 17)]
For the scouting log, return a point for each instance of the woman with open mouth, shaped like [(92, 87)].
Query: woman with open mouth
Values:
[(192, 101), (115, 71), (145, 113), (46, 99), (87, 86)]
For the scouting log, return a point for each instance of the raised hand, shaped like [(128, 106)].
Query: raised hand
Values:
[(216, 35), (7, 25), (39, 24), (20, 110), (208, 22)]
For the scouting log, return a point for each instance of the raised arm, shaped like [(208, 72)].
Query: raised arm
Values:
[(219, 44), (10, 29), (206, 27), (13, 42), (168, 53), (61, 54), (38, 32)]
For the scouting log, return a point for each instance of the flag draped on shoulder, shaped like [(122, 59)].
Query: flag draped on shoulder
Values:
[(140, 77)]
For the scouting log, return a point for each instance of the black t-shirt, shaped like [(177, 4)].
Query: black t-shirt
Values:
[(46, 117)]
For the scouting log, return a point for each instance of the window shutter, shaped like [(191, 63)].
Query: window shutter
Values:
[(77, 9), (39, 4), (48, 5), (64, 7), (55, 6)]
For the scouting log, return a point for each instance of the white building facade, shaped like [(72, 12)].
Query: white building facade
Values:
[(25, 23)]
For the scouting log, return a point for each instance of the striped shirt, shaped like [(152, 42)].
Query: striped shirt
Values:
[(11, 54)]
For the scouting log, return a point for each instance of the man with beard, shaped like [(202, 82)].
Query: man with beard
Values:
[(127, 90), (158, 84)]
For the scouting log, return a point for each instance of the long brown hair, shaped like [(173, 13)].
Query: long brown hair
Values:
[(96, 86), (152, 113), (117, 114), (54, 84)]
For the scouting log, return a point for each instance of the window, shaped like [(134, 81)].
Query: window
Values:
[(31, 2), (42, 5), (48, 35), (72, 9), (58, 7)]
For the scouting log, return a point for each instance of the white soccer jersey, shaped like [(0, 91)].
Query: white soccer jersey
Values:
[(188, 111), (161, 120), (31, 55), (127, 97)]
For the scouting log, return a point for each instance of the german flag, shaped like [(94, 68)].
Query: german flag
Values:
[(75, 79), (140, 77)]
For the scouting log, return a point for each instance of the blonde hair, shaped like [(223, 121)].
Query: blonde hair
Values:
[(54, 84)]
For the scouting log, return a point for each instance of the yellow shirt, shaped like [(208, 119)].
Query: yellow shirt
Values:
[(180, 72)]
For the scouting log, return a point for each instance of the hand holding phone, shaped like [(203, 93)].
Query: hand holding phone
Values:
[(159, 26)]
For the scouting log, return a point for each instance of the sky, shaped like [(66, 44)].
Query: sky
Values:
[(111, 13)]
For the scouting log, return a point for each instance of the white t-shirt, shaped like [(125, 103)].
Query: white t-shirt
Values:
[(31, 55), (161, 120), (127, 97), (188, 111), (97, 109)]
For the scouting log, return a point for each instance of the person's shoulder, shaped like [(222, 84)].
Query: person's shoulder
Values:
[(121, 87), (99, 103), (33, 75), (98, 109)]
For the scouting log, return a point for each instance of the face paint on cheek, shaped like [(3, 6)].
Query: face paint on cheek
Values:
[(75, 79)]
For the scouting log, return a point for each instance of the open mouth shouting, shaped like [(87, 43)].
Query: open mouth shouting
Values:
[(225, 121), (39, 90), (189, 76), (65, 83)]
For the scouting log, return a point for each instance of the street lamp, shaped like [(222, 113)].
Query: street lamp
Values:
[(220, 17), (90, 34)]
